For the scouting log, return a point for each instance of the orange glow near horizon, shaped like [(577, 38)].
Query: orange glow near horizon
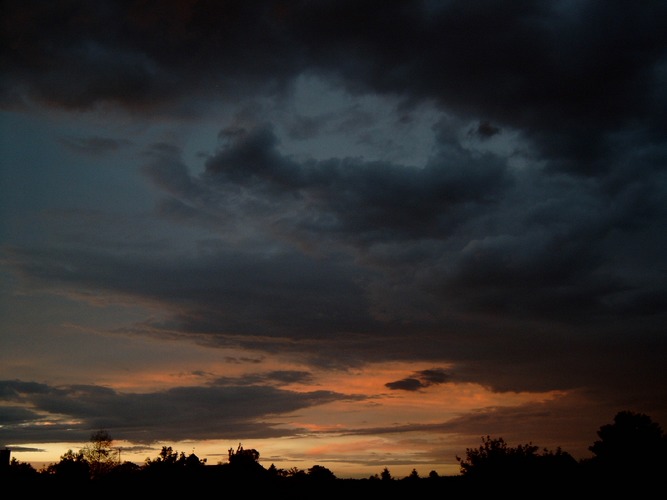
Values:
[(332, 434)]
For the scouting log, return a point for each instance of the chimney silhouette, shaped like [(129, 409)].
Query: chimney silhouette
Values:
[(4, 458)]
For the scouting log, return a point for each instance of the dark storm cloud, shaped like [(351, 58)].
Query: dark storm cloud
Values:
[(420, 380), (407, 384), (143, 55), (585, 67), (225, 412), (245, 291), (13, 415), (481, 229), (485, 130), (434, 376), (555, 247), (352, 198), (463, 253)]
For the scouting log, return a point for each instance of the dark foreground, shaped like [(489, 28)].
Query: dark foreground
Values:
[(282, 488)]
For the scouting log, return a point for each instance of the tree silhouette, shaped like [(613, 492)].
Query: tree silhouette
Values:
[(320, 473), (496, 460), (632, 447), (170, 465), (413, 475), (385, 475), (72, 467), (17, 471), (243, 465), (99, 454), (243, 456)]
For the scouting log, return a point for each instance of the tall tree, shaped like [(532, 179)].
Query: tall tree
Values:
[(99, 454), (633, 446), (385, 475)]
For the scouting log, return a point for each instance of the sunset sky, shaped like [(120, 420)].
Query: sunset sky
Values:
[(358, 234)]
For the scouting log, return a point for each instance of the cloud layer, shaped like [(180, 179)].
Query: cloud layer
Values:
[(521, 244)]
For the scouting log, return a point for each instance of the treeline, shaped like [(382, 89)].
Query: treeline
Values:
[(630, 455)]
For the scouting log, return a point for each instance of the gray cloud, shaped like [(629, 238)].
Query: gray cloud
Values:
[(484, 58), (334, 247), (406, 384), (206, 412), (352, 198), (420, 380)]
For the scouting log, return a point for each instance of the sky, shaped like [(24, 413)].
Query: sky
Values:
[(357, 234)]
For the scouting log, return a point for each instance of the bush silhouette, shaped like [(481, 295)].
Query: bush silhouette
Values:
[(496, 464)]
